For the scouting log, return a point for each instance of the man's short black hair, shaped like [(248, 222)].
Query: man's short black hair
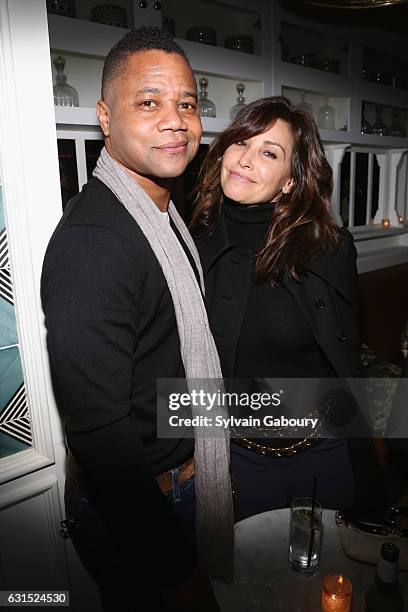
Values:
[(146, 38)]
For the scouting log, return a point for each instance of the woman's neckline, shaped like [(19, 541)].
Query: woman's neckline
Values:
[(248, 213)]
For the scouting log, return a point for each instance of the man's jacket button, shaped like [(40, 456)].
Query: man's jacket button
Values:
[(341, 338), (319, 303)]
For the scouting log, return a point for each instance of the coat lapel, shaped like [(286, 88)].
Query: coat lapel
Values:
[(331, 268), (227, 291), (212, 246), (317, 300)]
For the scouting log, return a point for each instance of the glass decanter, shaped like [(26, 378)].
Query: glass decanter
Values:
[(304, 104), (64, 94), (240, 87), (206, 106), (365, 125), (379, 127), (325, 116), (396, 129), (61, 7)]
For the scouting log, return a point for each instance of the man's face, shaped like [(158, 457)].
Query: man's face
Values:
[(150, 118)]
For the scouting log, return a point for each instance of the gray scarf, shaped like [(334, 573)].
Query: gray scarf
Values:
[(214, 514)]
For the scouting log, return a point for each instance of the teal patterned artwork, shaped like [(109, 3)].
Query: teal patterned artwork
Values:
[(15, 429), (8, 329), (2, 223), (15, 426)]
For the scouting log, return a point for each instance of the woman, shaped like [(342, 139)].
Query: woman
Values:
[(282, 296)]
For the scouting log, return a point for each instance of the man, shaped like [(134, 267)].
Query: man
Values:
[(112, 296)]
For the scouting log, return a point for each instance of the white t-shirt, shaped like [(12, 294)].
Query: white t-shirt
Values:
[(165, 216)]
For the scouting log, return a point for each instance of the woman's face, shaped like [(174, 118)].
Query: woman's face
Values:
[(256, 170)]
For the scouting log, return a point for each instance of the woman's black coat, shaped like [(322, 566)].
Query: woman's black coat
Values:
[(328, 296)]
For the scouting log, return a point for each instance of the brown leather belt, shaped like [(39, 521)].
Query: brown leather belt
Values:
[(165, 481), (185, 471)]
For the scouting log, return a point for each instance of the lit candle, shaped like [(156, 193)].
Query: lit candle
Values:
[(336, 593), (385, 223), (401, 219)]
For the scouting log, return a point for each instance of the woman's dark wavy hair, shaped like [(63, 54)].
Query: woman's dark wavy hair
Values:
[(301, 226)]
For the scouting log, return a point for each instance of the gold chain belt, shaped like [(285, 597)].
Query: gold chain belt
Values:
[(273, 451), (284, 451)]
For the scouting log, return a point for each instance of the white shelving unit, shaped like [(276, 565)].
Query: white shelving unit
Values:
[(267, 72), (85, 44), (349, 85), (82, 40), (377, 247), (67, 117)]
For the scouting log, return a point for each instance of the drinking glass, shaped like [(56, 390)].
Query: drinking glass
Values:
[(305, 535)]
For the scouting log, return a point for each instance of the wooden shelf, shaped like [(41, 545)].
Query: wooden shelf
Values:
[(75, 115), (226, 62), (311, 79), (87, 38), (82, 37)]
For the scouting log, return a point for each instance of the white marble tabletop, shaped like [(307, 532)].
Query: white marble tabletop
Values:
[(263, 580)]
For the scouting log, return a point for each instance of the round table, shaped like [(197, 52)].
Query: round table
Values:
[(263, 580)]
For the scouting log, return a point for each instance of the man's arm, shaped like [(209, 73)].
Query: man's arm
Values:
[(90, 297)]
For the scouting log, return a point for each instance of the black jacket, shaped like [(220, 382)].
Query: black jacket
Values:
[(111, 332), (327, 294)]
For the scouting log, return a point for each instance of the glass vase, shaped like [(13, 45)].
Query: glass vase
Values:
[(240, 87), (395, 128), (304, 104), (64, 94), (205, 106), (379, 128), (61, 7), (326, 116), (365, 125)]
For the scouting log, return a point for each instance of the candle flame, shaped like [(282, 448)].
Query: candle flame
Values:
[(341, 579)]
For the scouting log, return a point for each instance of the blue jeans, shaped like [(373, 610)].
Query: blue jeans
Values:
[(122, 588)]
